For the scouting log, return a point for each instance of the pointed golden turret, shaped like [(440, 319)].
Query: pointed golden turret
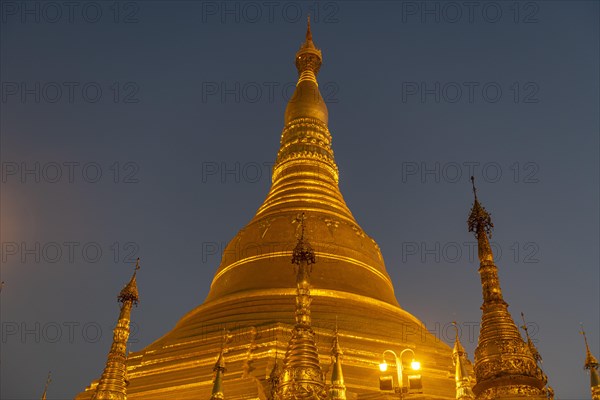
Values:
[(337, 390), (537, 356), (112, 384), (461, 374), (219, 369), (534, 351), (274, 377), (591, 364), (302, 377), (505, 368), (48, 380)]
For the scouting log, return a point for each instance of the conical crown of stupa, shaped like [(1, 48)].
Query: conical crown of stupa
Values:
[(304, 179)]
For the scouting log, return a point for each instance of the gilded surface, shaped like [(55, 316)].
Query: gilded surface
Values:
[(464, 389), (253, 287), (113, 382), (504, 364), (591, 364), (302, 377)]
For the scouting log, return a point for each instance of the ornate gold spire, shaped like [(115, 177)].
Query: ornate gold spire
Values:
[(536, 355), (591, 364), (274, 377), (48, 380), (219, 369), (505, 368), (461, 374), (302, 377), (534, 351), (112, 384), (337, 390)]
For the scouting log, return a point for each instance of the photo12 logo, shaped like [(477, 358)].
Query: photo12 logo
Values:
[(527, 252), (69, 252), (69, 12), (252, 12), (263, 92), (70, 172), (470, 12), (71, 332), (470, 92), (70, 92), (461, 172)]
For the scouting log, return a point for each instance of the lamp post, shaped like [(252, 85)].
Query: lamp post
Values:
[(415, 365)]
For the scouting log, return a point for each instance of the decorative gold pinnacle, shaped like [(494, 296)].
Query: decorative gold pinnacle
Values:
[(302, 377), (48, 380), (219, 370), (113, 382), (534, 351), (308, 58), (461, 374), (130, 291), (480, 223), (504, 364), (591, 364), (274, 376), (337, 390)]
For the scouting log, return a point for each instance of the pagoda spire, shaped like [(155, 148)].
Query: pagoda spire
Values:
[(219, 369), (536, 355), (534, 351), (302, 377), (505, 368), (308, 58), (461, 374), (112, 384), (48, 380), (273, 378), (337, 390), (591, 364)]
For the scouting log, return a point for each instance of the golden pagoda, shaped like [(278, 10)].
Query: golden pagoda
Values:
[(253, 294), (505, 366), (591, 364)]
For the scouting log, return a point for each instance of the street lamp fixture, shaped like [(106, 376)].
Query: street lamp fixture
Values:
[(415, 365)]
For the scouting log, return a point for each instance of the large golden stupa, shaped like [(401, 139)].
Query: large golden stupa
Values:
[(252, 295)]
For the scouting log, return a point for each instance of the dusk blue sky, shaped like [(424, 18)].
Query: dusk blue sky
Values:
[(167, 95)]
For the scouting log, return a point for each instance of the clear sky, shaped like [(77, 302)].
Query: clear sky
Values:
[(147, 129)]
